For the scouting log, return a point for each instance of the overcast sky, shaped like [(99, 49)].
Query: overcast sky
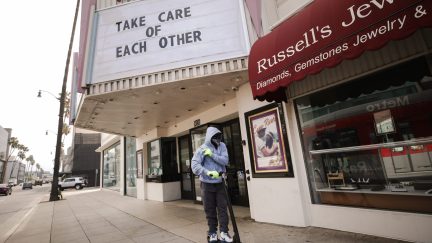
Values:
[(33, 48)]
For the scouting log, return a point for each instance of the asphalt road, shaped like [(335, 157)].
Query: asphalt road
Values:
[(16, 207)]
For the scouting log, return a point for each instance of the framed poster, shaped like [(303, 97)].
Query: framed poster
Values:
[(139, 161), (268, 142)]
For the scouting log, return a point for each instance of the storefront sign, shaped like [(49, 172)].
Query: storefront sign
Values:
[(324, 34), (151, 36)]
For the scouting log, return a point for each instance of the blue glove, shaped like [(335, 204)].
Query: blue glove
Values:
[(213, 174), (208, 152)]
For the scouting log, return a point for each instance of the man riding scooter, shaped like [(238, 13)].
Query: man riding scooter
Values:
[(210, 159)]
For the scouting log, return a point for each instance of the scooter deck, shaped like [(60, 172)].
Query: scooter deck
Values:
[(221, 241)]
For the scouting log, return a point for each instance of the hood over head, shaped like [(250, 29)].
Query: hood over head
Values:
[(211, 131)]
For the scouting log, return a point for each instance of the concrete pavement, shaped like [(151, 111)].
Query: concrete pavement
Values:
[(94, 215)]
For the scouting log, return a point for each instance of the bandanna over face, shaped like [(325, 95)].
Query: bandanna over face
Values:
[(216, 139)]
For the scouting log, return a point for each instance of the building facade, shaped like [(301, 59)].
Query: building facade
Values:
[(15, 170), (5, 134), (326, 118), (85, 160)]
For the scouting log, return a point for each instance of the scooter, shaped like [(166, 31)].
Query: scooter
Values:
[(236, 237)]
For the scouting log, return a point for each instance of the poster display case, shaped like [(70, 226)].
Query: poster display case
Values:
[(268, 142), (162, 160)]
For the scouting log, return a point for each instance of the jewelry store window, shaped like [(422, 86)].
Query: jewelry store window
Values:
[(368, 143)]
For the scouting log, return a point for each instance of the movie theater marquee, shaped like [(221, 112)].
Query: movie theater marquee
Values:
[(151, 36)]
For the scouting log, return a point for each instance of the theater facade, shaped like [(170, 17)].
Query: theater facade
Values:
[(327, 115)]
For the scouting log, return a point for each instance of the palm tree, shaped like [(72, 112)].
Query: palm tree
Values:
[(22, 150), (37, 168), (13, 143), (31, 170), (29, 160), (27, 166), (66, 130), (21, 155)]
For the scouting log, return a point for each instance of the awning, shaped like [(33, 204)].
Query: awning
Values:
[(324, 34)]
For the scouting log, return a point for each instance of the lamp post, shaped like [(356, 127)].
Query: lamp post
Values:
[(46, 132), (40, 94), (54, 195)]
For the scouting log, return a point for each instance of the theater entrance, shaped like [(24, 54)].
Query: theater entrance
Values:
[(236, 178)]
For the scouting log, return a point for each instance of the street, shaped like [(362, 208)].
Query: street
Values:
[(16, 207)]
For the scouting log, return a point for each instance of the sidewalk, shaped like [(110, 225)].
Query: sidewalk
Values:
[(105, 216)]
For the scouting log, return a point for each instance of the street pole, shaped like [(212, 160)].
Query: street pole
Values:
[(54, 186)]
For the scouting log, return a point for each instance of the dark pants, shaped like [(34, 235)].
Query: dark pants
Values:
[(213, 196)]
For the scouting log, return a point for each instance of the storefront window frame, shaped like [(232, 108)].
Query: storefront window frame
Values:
[(315, 199)]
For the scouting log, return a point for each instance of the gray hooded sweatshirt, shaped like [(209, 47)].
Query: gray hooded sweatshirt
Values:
[(201, 164)]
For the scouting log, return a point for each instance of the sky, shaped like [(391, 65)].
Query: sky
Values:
[(34, 43)]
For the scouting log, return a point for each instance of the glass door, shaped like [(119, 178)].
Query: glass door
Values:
[(197, 136), (185, 168), (111, 167), (236, 178)]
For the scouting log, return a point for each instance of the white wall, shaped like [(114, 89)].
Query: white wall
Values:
[(163, 192), (122, 167), (140, 183), (389, 224), (273, 200), (4, 139)]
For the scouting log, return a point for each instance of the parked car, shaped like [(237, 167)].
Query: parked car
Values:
[(72, 182), (28, 185), (5, 189), (13, 181), (38, 182)]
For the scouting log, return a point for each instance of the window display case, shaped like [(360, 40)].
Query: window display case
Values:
[(383, 176), (394, 166), (162, 161), (368, 143)]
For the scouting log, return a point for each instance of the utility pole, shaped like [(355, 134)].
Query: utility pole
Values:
[(54, 186)]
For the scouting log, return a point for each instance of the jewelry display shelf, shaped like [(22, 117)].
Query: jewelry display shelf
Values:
[(410, 201)]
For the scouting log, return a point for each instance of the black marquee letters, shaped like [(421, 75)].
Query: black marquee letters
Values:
[(140, 46)]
